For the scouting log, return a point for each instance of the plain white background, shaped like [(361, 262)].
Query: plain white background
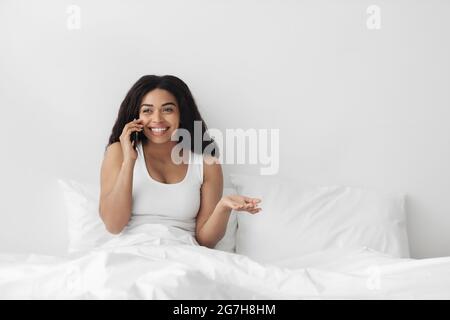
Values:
[(354, 106)]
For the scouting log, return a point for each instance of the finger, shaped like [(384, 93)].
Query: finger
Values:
[(236, 206), (131, 126), (252, 205), (130, 132), (133, 129), (249, 208), (253, 200), (135, 122)]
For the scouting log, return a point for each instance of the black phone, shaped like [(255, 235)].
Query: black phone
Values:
[(135, 137)]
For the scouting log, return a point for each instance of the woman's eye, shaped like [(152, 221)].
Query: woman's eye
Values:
[(168, 110), (146, 111)]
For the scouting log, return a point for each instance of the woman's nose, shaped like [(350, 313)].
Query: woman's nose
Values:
[(156, 116)]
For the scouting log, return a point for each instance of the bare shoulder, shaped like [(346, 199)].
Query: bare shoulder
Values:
[(112, 160), (212, 169), (114, 152), (111, 165)]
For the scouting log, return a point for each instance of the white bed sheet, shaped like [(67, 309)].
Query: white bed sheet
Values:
[(154, 261)]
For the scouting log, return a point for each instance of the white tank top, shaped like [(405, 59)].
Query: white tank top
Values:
[(174, 204)]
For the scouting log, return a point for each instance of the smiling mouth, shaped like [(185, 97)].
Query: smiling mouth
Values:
[(159, 130)]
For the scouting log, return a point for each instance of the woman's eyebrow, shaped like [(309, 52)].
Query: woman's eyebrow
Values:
[(164, 104)]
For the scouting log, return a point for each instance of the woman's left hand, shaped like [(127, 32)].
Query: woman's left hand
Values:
[(241, 203)]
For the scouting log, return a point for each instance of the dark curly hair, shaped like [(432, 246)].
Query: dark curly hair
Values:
[(129, 109)]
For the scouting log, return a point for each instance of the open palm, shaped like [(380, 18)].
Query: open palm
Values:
[(241, 203)]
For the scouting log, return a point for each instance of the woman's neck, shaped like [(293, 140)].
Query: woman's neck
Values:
[(159, 150)]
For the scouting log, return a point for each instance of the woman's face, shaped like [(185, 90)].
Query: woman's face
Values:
[(160, 112)]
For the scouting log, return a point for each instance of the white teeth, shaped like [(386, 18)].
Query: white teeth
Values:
[(159, 129)]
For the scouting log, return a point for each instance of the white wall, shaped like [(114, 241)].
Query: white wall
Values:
[(354, 106)]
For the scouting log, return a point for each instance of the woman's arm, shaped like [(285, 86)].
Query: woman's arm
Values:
[(215, 210), (212, 218), (116, 187)]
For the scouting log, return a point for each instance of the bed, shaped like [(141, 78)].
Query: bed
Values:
[(332, 242)]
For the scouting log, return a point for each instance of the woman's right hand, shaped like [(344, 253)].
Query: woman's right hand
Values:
[(129, 152)]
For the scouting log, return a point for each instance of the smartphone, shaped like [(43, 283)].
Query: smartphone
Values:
[(135, 137)]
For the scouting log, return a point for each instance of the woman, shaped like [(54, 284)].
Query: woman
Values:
[(141, 182)]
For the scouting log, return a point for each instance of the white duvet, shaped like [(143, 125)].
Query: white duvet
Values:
[(154, 261)]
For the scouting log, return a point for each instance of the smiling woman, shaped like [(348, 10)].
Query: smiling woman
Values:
[(162, 120), (175, 102), (140, 182)]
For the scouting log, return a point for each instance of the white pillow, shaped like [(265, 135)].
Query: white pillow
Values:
[(296, 220), (86, 229)]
